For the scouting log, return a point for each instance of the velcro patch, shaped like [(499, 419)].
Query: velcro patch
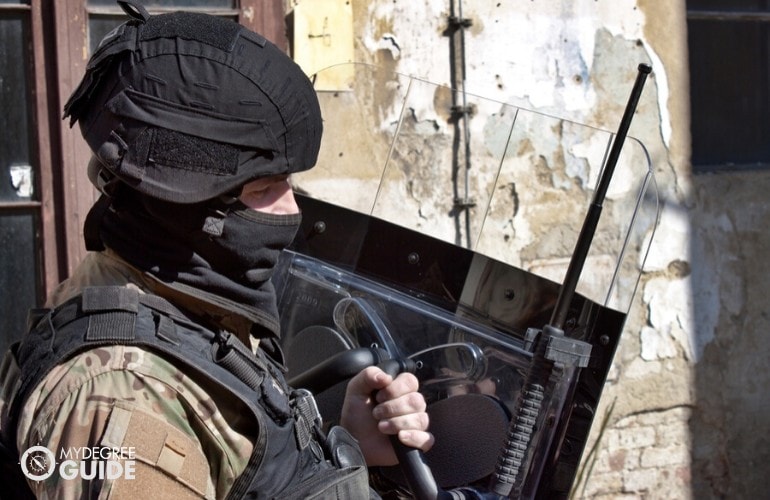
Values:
[(175, 149), (169, 463)]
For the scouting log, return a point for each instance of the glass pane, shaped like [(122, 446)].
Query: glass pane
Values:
[(729, 5), (398, 181), (23, 2), (99, 26), (14, 118), (730, 92), (18, 274), (170, 3)]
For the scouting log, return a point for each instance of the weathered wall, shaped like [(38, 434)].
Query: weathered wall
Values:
[(730, 424), (689, 384)]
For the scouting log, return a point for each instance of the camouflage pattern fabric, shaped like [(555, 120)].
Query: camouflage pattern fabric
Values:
[(187, 442)]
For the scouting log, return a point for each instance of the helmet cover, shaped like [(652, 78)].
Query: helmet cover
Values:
[(185, 107)]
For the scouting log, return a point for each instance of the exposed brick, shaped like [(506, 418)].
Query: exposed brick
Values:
[(665, 457), (639, 480), (603, 484), (633, 437)]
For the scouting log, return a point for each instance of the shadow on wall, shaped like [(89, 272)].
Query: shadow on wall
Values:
[(730, 424)]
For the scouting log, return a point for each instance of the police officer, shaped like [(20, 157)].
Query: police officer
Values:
[(162, 343)]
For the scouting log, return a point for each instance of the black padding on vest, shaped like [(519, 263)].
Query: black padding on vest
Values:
[(215, 31), (161, 305)]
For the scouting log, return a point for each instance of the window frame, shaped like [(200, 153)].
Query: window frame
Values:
[(42, 205), (737, 15)]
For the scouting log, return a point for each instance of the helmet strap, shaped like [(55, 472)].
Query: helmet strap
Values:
[(91, 232), (109, 185), (135, 10)]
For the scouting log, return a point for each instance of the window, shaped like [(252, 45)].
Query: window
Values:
[(44, 191), (729, 44), (103, 15), (20, 195)]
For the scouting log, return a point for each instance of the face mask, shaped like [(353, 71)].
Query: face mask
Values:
[(225, 251), (249, 245)]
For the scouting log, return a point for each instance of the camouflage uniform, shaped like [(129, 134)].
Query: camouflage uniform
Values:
[(121, 396), (181, 110)]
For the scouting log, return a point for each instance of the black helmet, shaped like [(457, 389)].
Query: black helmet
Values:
[(185, 107)]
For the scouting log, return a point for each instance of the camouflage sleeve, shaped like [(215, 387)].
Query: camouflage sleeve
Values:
[(122, 422)]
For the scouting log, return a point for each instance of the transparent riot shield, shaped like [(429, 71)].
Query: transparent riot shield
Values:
[(437, 227)]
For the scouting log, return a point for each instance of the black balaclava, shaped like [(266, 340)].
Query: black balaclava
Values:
[(229, 263), (181, 110)]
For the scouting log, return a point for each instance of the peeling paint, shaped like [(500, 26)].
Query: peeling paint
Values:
[(388, 42), (670, 313), (576, 60), (656, 345)]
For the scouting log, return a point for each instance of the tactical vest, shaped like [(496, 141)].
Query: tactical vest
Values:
[(292, 458)]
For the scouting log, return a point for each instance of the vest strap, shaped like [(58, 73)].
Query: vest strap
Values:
[(111, 326)]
